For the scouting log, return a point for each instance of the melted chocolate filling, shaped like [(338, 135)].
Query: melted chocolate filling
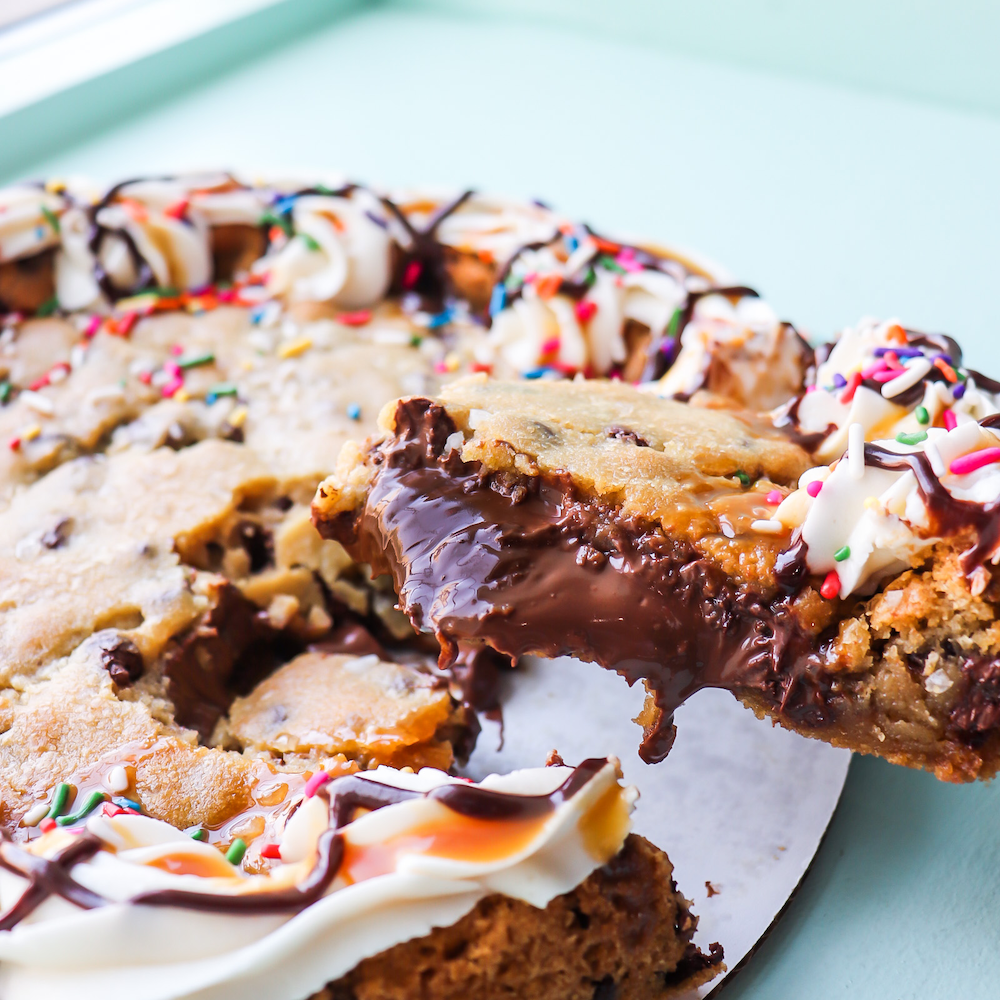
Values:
[(526, 565), (226, 654)]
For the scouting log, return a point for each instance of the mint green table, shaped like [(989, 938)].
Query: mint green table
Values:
[(833, 202)]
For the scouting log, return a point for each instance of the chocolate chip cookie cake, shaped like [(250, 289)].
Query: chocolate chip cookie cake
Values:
[(830, 562), (226, 759)]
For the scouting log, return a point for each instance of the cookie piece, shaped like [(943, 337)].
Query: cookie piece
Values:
[(600, 521), (321, 704), (586, 944), (73, 723), (357, 876), (179, 360)]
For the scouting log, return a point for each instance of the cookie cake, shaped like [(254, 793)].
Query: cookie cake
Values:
[(220, 740)]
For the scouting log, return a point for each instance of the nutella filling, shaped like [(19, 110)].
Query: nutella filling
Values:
[(524, 564)]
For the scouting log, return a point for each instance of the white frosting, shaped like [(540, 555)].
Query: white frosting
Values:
[(876, 519), (168, 223), (338, 254), (537, 328), (740, 350), (176, 250), (25, 228), (879, 412), (163, 953), (881, 517), (495, 226), (335, 244)]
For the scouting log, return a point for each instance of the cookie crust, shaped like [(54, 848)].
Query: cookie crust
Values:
[(625, 933)]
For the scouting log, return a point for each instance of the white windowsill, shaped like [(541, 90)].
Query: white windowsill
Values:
[(71, 44)]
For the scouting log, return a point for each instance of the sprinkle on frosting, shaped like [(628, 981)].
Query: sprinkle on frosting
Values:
[(904, 393)]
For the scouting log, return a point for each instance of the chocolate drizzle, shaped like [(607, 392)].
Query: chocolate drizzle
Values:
[(329, 855), (948, 515), (526, 565), (786, 419), (98, 233), (426, 250), (48, 877), (662, 351)]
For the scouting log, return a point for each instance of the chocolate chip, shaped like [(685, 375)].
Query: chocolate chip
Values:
[(257, 543), (120, 657), (177, 436), (544, 430), (58, 533), (605, 989), (625, 434)]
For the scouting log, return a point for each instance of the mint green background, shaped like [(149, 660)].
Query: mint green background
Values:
[(834, 200)]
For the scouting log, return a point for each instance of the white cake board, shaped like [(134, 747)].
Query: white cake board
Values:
[(737, 802)]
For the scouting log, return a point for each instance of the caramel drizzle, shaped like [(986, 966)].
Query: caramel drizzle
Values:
[(49, 877)]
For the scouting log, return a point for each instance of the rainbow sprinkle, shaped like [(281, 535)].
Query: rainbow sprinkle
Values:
[(90, 803), (976, 460), (60, 799), (315, 783), (236, 851)]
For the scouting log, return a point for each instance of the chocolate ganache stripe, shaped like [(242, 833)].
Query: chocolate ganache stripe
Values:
[(97, 234), (49, 877), (528, 566), (330, 854), (426, 249)]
